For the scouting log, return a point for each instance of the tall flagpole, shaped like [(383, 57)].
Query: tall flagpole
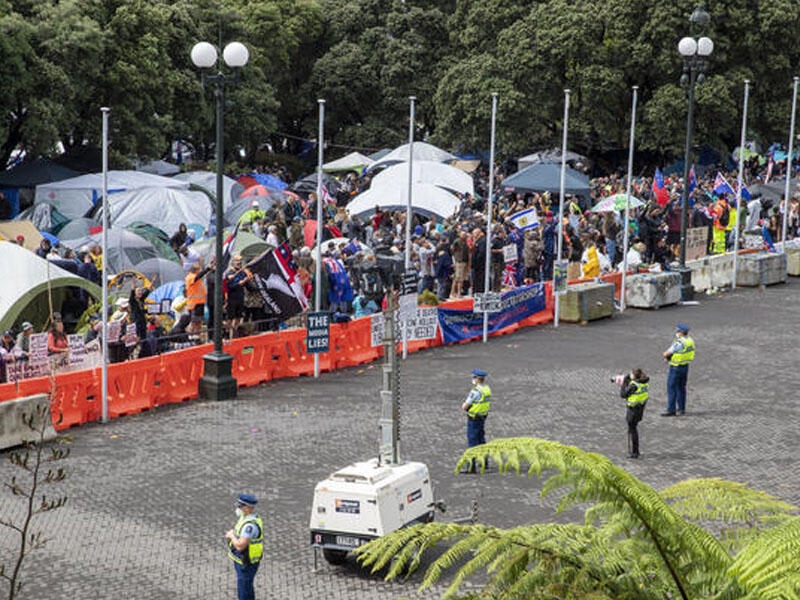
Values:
[(104, 378), (562, 187), (739, 180), (487, 268), (320, 266), (628, 201), (789, 165), (409, 212)]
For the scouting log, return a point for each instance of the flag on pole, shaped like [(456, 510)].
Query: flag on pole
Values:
[(525, 219), (326, 197), (745, 192), (659, 189), (692, 180), (275, 277), (721, 185)]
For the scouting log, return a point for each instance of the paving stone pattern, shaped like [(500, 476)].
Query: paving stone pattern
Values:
[(150, 495)]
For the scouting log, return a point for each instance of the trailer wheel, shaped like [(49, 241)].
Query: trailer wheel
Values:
[(334, 557)]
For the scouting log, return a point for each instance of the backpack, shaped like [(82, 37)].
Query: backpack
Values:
[(372, 284)]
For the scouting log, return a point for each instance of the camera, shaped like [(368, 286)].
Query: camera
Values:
[(618, 379)]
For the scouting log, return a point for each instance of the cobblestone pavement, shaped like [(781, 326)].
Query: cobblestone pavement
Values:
[(150, 495)]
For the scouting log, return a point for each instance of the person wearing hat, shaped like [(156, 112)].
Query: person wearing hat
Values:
[(477, 408), (634, 388), (678, 355), (246, 545), (24, 340)]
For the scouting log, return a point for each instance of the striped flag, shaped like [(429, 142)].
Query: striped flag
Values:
[(525, 219)]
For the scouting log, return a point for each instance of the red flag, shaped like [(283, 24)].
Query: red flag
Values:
[(659, 189)]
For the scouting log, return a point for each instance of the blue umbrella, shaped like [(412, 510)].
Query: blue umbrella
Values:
[(50, 237), (168, 291), (269, 181)]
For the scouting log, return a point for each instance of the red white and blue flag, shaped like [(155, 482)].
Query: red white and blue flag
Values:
[(326, 197), (721, 185), (659, 189)]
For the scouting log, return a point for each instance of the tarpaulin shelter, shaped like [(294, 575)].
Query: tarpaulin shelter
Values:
[(29, 175), (426, 171), (546, 177), (30, 283), (422, 151), (426, 199), (74, 197)]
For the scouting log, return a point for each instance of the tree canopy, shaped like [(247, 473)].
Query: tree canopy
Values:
[(64, 59), (700, 538)]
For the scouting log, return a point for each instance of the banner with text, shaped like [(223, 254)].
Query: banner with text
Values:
[(421, 327), (517, 304)]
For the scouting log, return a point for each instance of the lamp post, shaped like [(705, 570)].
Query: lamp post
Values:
[(695, 51), (217, 383)]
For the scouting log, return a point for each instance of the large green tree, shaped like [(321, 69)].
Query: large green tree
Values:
[(700, 538)]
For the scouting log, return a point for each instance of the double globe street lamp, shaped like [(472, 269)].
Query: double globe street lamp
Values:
[(695, 51), (217, 383)]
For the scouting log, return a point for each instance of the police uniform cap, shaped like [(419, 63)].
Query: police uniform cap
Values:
[(682, 328), (479, 373), (246, 500)]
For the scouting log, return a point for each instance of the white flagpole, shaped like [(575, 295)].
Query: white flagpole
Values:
[(104, 377), (561, 200), (628, 201), (320, 266), (487, 272), (739, 180), (789, 165), (409, 212)]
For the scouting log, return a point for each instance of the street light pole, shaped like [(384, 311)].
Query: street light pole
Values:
[(694, 51), (217, 383)]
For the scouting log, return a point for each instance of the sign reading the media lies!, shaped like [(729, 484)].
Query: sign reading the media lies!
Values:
[(318, 325)]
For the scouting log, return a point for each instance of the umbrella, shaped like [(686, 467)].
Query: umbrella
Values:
[(50, 237), (308, 184), (258, 191), (167, 291), (160, 269), (264, 179), (615, 203)]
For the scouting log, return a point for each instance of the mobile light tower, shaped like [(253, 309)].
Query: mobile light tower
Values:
[(695, 51), (217, 383)]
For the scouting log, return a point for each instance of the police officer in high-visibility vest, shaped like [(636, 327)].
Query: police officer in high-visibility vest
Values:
[(477, 408), (246, 545), (635, 389), (679, 355)]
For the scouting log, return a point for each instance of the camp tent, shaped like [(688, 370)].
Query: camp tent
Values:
[(74, 197), (546, 177), (167, 208), (158, 167), (425, 171), (427, 199), (208, 182), (355, 161), (30, 284), (125, 249), (422, 151)]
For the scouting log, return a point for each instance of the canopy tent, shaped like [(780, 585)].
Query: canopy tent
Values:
[(546, 177), (9, 230), (125, 248), (208, 182), (36, 172), (427, 199), (355, 161), (426, 171), (26, 281), (422, 151), (166, 207), (74, 197), (549, 156)]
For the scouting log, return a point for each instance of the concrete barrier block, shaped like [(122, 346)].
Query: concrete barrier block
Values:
[(585, 302), (793, 262), (651, 290), (13, 430), (764, 268)]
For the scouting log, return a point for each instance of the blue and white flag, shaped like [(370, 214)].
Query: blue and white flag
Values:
[(525, 219), (721, 185)]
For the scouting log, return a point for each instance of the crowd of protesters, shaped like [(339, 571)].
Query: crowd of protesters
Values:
[(448, 254)]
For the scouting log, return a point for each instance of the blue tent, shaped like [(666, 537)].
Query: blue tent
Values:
[(546, 177), (269, 181)]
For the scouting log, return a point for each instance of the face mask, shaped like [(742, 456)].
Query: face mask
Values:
[(238, 512)]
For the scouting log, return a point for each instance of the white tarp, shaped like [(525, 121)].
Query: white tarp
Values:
[(355, 161), (158, 167), (422, 151), (73, 197), (208, 181), (426, 171), (164, 208), (426, 199)]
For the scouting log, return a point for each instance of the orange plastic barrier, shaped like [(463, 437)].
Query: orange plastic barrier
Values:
[(295, 360), (8, 391), (351, 343), (180, 372), (32, 386), (254, 358), (133, 386), (77, 398)]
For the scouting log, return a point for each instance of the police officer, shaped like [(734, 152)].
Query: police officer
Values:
[(635, 388), (246, 545), (477, 408), (679, 355)]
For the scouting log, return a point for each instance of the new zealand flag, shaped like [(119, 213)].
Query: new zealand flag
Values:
[(275, 276)]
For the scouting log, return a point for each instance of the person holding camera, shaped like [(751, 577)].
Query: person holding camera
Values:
[(634, 387)]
